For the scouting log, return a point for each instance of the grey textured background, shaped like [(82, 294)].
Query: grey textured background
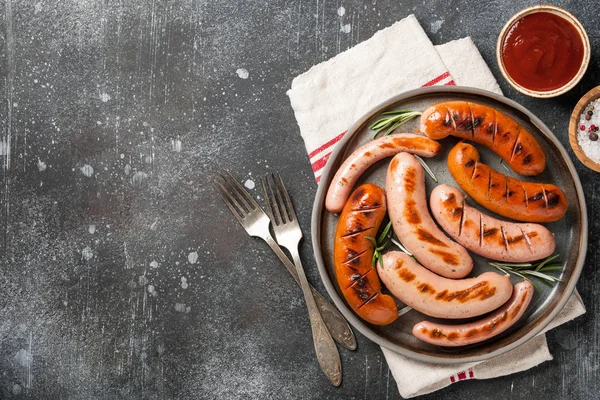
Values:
[(135, 281)]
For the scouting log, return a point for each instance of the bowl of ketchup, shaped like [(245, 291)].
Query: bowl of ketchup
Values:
[(543, 51)]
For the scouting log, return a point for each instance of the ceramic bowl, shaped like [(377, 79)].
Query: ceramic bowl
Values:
[(563, 14)]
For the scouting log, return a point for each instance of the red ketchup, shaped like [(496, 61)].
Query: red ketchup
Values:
[(542, 51)]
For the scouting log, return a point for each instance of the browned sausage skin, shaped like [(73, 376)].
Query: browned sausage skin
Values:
[(478, 331), (511, 198), (358, 280), (485, 235), (489, 127), (441, 297), (368, 154)]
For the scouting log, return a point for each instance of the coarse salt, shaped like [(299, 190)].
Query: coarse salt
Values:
[(590, 147)]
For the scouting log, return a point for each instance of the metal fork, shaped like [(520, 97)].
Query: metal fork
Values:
[(288, 234), (248, 213)]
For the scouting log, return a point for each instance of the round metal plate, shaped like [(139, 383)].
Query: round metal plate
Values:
[(570, 231)]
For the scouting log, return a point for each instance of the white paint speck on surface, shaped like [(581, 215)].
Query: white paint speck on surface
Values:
[(139, 178), (127, 169), (176, 145), (179, 307), (92, 229), (23, 358), (436, 25), (142, 280), (152, 290), (41, 165), (242, 73), (105, 97), (153, 264), (4, 147), (346, 28), (87, 170), (193, 257), (87, 253), (249, 184), (184, 284), (341, 11)]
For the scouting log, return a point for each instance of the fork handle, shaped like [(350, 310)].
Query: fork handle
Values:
[(327, 354), (334, 320)]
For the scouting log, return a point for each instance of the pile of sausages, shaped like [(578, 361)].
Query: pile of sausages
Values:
[(434, 280)]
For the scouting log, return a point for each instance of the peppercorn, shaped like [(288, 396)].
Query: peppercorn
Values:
[(593, 136), (587, 117), (590, 113)]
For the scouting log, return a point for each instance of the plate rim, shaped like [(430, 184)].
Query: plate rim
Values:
[(318, 210)]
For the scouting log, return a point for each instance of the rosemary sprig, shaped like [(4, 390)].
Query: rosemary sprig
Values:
[(502, 163), (380, 244), (395, 119), (526, 270), (401, 247), (426, 167)]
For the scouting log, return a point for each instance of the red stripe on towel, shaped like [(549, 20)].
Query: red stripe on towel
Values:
[(438, 79), (320, 163), (326, 145)]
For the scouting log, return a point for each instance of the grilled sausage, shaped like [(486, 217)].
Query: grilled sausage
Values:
[(478, 331), (485, 235), (511, 198), (367, 155), (440, 297), (356, 277), (407, 205), (486, 126)]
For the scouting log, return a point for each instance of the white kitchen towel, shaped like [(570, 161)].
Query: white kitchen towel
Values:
[(329, 97)]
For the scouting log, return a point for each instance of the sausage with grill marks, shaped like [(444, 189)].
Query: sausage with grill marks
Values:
[(489, 127), (441, 297), (511, 198), (407, 206), (367, 155), (478, 331), (485, 235), (353, 252)]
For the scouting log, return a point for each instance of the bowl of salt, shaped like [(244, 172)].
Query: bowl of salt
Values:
[(584, 129)]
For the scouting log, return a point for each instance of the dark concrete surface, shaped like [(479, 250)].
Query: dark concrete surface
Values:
[(123, 276)]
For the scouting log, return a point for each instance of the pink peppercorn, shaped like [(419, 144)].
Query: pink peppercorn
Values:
[(582, 127)]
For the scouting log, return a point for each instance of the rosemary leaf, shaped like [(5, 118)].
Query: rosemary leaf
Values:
[(397, 112), (540, 275), (502, 163), (395, 119), (546, 261), (426, 167), (402, 248), (525, 270), (385, 232)]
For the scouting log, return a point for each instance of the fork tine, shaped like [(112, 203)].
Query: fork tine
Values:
[(243, 192), (272, 201), (269, 210), (290, 206), (234, 192), (228, 199), (284, 213)]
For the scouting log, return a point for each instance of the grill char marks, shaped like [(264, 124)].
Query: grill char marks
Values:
[(511, 198), (361, 216)]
